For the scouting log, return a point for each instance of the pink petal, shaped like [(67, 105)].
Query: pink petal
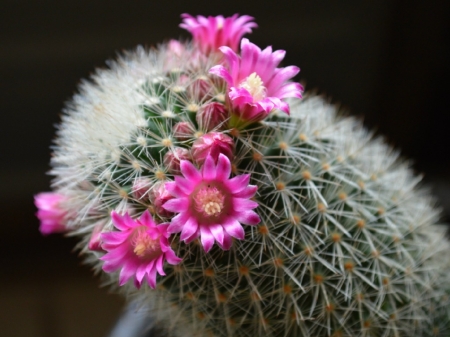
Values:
[(125, 274), (240, 204), (159, 265), (223, 73), (227, 241), (184, 185), (247, 192), (223, 169), (151, 277), (121, 222), (217, 232), (173, 189), (189, 228), (190, 172), (207, 238), (146, 219), (140, 272), (248, 218), (176, 205), (172, 258), (238, 183), (209, 169), (234, 228), (178, 222)]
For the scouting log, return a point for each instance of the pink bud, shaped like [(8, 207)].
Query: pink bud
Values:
[(51, 212), (158, 196), (183, 131), (213, 144), (211, 115), (95, 243), (140, 188), (200, 88), (172, 159), (175, 47)]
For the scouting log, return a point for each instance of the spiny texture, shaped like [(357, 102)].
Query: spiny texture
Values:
[(347, 243)]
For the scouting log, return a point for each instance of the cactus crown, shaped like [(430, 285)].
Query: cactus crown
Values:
[(197, 171)]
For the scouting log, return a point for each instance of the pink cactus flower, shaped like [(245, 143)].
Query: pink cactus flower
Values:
[(212, 144), (211, 115), (210, 204), (51, 213), (215, 31), (159, 196), (138, 249), (256, 86), (172, 159)]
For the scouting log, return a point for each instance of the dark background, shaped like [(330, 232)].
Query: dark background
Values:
[(386, 61)]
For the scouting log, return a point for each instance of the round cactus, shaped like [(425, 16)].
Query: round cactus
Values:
[(201, 185)]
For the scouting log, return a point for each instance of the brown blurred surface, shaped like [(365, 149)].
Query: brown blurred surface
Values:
[(383, 60)]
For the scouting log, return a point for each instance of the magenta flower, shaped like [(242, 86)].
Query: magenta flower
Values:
[(210, 205), (212, 144), (215, 31), (50, 212), (256, 86), (138, 249)]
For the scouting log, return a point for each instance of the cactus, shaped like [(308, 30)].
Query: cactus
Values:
[(235, 207)]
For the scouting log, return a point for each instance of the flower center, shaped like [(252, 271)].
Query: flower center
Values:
[(144, 245), (255, 86), (209, 201)]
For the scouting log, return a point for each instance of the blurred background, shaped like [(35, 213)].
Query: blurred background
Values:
[(385, 61)]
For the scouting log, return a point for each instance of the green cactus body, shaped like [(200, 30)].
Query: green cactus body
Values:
[(347, 244)]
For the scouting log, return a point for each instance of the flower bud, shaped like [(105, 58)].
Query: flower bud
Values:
[(158, 196), (140, 188), (95, 243), (50, 212), (172, 159), (213, 144), (183, 131), (211, 115)]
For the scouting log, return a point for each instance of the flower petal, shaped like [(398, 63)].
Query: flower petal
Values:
[(190, 172), (217, 232), (223, 169), (248, 218), (207, 238), (234, 228), (209, 169), (176, 205), (189, 228), (240, 204)]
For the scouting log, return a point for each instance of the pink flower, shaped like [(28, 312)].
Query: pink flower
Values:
[(256, 85), (50, 212), (138, 249), (210, 205), (213, 32), (212, 144)]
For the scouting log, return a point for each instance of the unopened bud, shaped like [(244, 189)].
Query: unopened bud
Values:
[(213, 144), (211, 115), (172, 159)]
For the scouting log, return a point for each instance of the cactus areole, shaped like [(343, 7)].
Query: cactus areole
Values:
[(202, 184)]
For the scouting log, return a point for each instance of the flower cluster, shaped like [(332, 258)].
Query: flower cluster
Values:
[(203, 200)]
